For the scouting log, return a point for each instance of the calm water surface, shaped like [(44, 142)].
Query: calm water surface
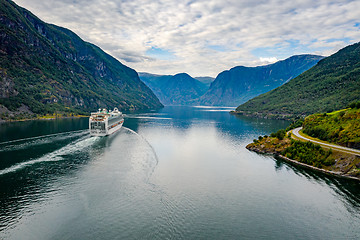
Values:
[(179, 173)]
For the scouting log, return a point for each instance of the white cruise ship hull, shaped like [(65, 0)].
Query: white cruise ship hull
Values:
[(105, 123), (102, 133)]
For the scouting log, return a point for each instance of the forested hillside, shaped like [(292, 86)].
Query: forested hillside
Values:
[(340, 127), (330, 85), (45, 68)]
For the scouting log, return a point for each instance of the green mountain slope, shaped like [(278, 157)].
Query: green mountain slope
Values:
[(332, 84), (180, 89), (46, 68), (340, 127), (240, 84)]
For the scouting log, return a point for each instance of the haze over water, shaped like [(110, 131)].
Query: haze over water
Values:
[(179, 173)]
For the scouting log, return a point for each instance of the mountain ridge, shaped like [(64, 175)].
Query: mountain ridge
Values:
[(332, 84), (232, 86), (239, 84), (178, 89), (49, 68)]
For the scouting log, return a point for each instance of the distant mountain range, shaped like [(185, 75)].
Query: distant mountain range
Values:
[(330, 85), (206, 80), (231, 87), (239, 84), (180, 89), (45, 68)]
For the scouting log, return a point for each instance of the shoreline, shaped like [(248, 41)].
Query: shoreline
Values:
[(276, 116), (328, 172), (41, 118)]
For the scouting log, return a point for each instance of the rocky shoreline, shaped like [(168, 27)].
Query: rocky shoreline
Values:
[(276, 152)]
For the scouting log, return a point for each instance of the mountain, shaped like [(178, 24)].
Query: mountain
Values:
[(206, 80), (332, 84), (45, 68), (155, 83), (180, 89), (239, 84)]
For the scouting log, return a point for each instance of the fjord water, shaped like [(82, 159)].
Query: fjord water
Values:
[(178, 173)]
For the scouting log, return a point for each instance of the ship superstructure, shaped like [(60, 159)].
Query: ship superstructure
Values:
[(103, 122)]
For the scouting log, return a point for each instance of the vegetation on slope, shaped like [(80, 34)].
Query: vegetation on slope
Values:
[(48, 69), (309, 153), (327, 125), (340, 127), (304, 152), (329, 85)]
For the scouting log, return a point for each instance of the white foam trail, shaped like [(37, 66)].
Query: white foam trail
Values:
[(53, 156), (153, 150), (28, 142), (43, 136)]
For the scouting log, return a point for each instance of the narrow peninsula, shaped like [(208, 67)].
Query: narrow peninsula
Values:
[(327, 142)]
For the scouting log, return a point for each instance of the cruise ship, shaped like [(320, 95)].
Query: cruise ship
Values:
[(103, 122)]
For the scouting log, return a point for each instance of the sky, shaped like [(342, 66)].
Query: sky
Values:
[(205, 37)]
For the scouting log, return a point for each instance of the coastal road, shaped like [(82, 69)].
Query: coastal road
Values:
[(301, 136)]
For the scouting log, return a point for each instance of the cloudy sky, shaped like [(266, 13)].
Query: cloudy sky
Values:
[(205, 37)]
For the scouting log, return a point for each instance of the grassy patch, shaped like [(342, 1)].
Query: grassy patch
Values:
[(340, 127), (338, 111)]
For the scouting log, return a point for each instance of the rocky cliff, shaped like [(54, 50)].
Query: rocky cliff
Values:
[(49, 68)]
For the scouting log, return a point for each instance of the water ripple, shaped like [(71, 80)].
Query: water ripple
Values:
[(24, 143), (54, 156)]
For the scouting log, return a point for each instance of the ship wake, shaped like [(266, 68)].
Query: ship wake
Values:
[(58, 155), (25, 143)]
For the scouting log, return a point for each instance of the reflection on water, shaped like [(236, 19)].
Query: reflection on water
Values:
[(179, 173), (348, 189)]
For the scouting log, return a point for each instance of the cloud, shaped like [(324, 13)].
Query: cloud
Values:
[(131, 56), (205, 37), (268, 60)]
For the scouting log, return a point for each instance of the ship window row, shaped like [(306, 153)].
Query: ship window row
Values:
[(98, 125)]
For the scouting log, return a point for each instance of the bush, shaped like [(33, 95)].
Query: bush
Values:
[(309, 153), (329, 161), (295, 124), (355, 105), (318, 132), (280, 134)]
